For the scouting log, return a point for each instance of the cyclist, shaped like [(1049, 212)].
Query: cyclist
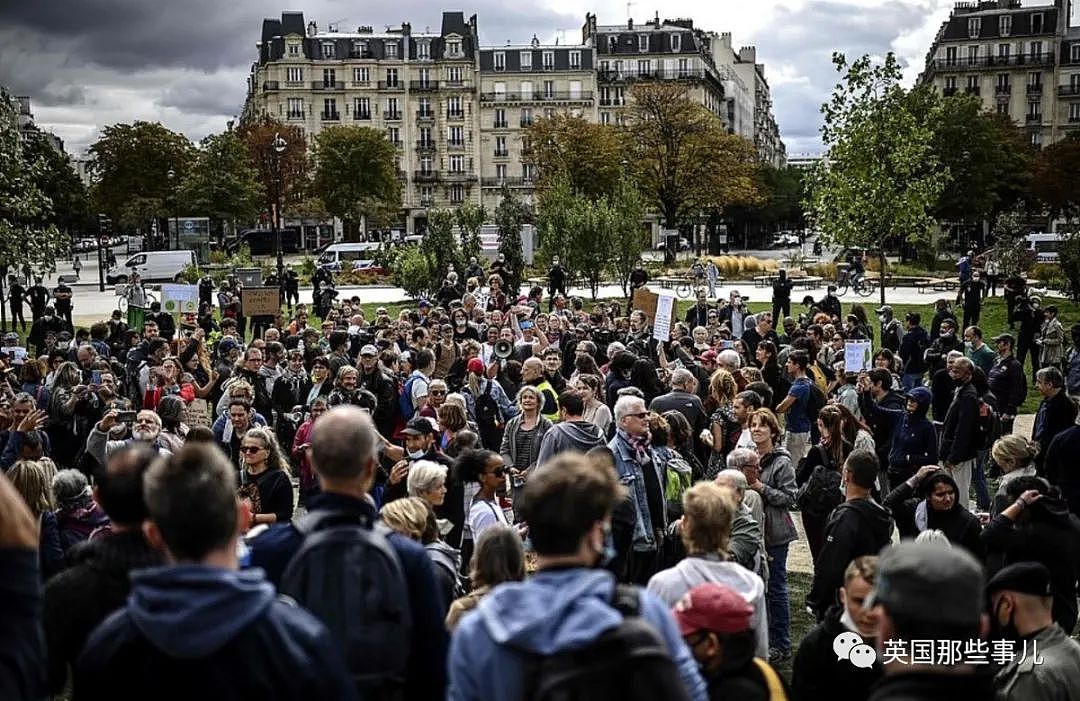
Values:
[(135, 292), (856, 271)]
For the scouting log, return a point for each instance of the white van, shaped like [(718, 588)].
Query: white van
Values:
[(151, 265), (339, 256), (1044, 246)]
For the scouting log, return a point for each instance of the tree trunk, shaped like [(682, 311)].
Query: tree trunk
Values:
[(884, 262)]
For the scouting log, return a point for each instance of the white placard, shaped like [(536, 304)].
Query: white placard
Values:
[(16, 353), (857, 356), (665, 310), (180, 299)]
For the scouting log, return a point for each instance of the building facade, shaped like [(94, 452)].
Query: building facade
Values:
[(1020, 60), (457, 112), (519, 84)]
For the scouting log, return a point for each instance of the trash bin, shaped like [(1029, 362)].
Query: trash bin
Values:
[(249, 277)]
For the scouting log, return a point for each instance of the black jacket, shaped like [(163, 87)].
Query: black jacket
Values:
[(698, 316), (918, 685), (197, 632), (958, 524), (22, 655), (816, 674), (387, 409), (935, 325), (1046, 532), (958, 437), (882, 423), (1061, 466), (1008, 383), (856, 527), (935, 354), (1055, 415), (80, 597)]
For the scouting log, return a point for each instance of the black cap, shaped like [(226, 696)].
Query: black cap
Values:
[(929, 582), (419, 426), (1023, 578), (1004, 337)]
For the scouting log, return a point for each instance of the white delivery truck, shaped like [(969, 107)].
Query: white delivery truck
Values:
[(151, 265)]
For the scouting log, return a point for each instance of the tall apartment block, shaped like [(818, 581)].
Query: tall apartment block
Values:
[(1021, 61), (458, 111)]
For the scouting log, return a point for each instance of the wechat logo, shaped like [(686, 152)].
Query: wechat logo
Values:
[(850, 646)]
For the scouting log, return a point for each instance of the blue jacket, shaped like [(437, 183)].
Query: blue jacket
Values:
[(632, 477), (914, 440), (193, 631), (426, 677), (13, 441), (1072, 371), (551, 612)]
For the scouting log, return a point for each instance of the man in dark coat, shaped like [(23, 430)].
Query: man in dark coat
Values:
[(1056, 412), (1007, 381), (959, 436), (781, 296)]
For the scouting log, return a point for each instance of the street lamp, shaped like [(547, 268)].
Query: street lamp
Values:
[(176, 217), (279, 145)]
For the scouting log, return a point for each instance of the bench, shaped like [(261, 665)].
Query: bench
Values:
[(67, 279), (809, 282)]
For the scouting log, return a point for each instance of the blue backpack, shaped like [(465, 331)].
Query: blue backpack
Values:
[(405, 400)]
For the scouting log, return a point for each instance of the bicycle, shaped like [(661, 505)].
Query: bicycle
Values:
[(689, 286), (864, 287), (123, 293)]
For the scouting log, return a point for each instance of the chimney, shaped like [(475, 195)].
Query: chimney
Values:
[(630, 23), (312, 28)]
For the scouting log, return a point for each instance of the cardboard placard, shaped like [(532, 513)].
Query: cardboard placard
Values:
[(645, 300), (198, 413), (260, 301), (17, 354)]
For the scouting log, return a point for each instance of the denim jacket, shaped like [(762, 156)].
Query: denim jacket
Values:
[(631, 475)]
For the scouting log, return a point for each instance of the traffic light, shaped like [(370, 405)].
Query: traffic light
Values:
[(104, 225)]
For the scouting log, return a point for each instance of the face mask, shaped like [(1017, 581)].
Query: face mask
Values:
[(416, 454), (607, 552), (882, 318), (969, 345)]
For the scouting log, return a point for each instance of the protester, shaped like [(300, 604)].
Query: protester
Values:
[(499, 557), (234, 619), (929, 501)]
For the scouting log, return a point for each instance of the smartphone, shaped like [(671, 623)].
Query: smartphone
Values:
[(525, 324), (95, 377), (727, 345), (126, 417)]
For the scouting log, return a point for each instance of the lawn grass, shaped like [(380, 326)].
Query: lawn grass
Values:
[(799, 584)]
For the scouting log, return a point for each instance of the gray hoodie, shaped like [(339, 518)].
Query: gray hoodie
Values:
[(671, 585), (578, 435), (778, 494)]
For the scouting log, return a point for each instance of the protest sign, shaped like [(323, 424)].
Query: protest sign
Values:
[(180, 299), (260, 301), (645, 301), (857, 356), (665, 313)]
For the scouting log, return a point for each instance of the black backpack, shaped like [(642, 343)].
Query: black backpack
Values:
[(815, 401), (347, 574), (988, 423), (821, 493), (630, 662), (488, 419)]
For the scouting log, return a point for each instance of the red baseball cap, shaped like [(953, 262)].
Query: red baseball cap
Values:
[(476, 365), (712, 607), (709, 356)]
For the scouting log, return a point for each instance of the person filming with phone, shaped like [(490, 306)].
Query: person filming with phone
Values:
[(145, 428)]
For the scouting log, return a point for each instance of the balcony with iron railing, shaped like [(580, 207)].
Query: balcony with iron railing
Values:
[(1034, 89), (526, 122), (362, 116), (425, 175), (613, 76), (455, 144), (1072, 90), (501, 153), (425, 145), (392, 115), (499, 124), (1003, 89), (455, 114), (1033, 118), (391, 85), (330, 116), (555, 96), (509, 181), (427, 201), (295, 115), (968, 64), (457, 175), (328, 85), (425, 114), (423, 85)]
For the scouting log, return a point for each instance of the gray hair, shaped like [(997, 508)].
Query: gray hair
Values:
[(734, 479), (614, 348), (425, 476), (933, 535), (682, 378), (953, 355), (740, 458), (70, 485), (627, 405), (729, 358), (1052, 376)]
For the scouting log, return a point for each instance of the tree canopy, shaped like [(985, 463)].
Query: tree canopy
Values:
[(284, 176), (356, 174), (223, 183), (1056, 177), (589, 157)]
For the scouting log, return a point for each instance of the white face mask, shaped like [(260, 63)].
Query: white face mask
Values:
[(416, 454)]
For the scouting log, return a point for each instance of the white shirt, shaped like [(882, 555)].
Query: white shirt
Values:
[(483, 515)]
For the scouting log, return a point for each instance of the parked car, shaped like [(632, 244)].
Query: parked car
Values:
[(684, 244), (262, 242), (785, 239), (338, 255)]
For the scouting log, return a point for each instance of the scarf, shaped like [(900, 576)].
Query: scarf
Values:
[(640, 444), (921, 517)]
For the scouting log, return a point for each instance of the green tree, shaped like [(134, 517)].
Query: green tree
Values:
[(590, 223), (510, 215), (627, 238), (470, 217), (28, 232), (58, 181), (223, 184), (880, 179), (411, 271), (440, 246), (684, 160), (1010, 247), (285, 175), (130, 164), (555, 229), (1056, 177), (587, 155), (356, 175), (1069, 260)]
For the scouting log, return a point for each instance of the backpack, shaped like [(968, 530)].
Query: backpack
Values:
[(488, 419), (821, 493), (678, 477), (405, 399), (630, 662), (815, 402), (347, 574), (988, 424)]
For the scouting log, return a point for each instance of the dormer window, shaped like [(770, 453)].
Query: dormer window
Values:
[(612, 44), (525, 60), (294, 49), (643, 43), (575, 60), (974, 27), (423, 50), (329, 49), (1036, 23), (548, 58), (676, 43), (1005, 25), (500, 61), (453, 48), (391, 48)]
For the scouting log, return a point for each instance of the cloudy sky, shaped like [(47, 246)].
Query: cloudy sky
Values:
[(90, 63)]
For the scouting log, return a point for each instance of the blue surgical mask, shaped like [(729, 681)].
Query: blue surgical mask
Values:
[(416, 454)]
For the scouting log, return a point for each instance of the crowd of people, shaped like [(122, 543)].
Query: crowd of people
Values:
[(495, 495)]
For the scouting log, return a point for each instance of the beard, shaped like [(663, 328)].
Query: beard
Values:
[(144, 436)]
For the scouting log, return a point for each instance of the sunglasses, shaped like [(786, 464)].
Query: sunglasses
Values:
[(498, 472), (640, 415), (249, 449), (438, 393)]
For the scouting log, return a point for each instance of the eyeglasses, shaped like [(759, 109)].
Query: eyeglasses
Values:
[(249, 449), (498, 472), (640, 415)]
